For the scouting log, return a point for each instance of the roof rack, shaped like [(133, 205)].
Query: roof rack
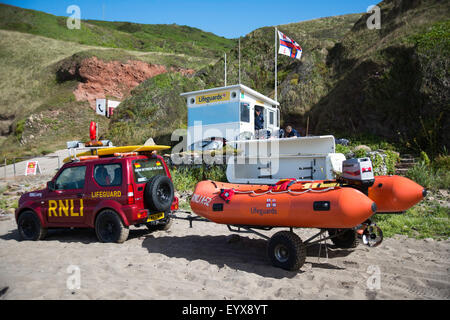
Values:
[(74, 147)]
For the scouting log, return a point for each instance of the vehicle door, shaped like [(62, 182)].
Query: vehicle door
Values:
[(64, 205), (105, 183)]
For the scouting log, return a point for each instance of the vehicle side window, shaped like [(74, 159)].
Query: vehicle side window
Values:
[(271, 117), (108, 175), (71, 178)]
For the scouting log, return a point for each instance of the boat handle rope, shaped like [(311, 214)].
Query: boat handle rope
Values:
[(284, 191)]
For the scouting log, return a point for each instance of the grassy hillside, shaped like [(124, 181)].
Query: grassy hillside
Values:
[(393, 82), (372, 85), (124, 35), (380, 85), (301, 83), (375, 85), (156, 109), (29, 86), (34, 45)]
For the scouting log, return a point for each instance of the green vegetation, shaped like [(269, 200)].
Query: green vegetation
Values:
[(431, 217), (185, 178), (29, 87), (426, 220), (124, 35), (435, 39), (430, 177), (154, 110), (383, 160)]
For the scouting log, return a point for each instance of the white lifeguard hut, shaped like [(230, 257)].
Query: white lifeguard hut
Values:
[(228, 113)]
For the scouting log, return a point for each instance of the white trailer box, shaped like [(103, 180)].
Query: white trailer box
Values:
[(228, 113), (267, 161)]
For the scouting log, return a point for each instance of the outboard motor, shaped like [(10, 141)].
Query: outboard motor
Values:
[(358, 173)]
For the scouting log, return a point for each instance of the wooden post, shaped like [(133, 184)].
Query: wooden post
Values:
[(307, 126)]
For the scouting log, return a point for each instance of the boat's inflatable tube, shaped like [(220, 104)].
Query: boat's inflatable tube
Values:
[(395, 193), (257, 205)]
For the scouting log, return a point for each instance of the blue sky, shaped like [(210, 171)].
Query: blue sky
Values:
[(230, 19)]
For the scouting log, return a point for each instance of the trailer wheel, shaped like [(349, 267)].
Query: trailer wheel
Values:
[(346, 240), (30, 227), (286, 250)]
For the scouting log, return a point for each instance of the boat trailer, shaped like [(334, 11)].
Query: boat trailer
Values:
[(286, 250)]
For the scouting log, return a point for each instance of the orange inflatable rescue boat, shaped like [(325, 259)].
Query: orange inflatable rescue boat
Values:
[(342, 208), (296, 206), (307, 204)]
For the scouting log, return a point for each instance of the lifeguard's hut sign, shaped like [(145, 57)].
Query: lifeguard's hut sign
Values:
[(32, 168), (215, 97)]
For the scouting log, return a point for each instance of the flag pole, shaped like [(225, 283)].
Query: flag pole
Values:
[(225, 69), (276, 76), (239, 59)]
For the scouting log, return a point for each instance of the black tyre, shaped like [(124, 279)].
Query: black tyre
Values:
[(346, 238), (159, 193), (163, 225), (109, 227), (30, 227), (286, 250)]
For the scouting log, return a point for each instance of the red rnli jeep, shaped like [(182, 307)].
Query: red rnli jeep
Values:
[(108, 194)]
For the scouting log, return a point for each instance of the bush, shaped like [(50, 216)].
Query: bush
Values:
[(361, 153), (424, 158), (383, 162), (343, 149), (426, 220), (428, 177), (441, 162), (185, 178)]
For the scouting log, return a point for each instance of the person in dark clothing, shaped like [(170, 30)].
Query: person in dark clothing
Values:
[(259, 120), (291, 132)]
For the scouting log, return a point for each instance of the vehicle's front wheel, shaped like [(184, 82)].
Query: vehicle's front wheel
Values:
[(286, 250), (30, 227), (109, 227)]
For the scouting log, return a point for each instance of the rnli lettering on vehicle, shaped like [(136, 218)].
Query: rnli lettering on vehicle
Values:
[(201, 199), (106, 194), (66, 207), (215, 97)]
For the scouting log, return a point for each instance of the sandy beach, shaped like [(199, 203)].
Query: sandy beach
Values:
[(209, 262)]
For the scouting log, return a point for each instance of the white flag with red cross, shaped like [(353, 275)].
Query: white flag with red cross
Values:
[(289, 47)]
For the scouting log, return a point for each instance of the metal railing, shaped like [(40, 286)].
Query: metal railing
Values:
[(17, 162)]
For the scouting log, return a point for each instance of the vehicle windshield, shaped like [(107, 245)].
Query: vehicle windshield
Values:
[(205, 145), (145, 169)]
